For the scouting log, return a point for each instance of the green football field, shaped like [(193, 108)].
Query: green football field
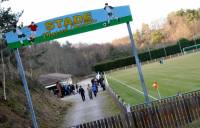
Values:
[(177, 75)]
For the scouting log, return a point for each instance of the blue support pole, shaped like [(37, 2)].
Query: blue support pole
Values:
[(28, 96), (134, 52)]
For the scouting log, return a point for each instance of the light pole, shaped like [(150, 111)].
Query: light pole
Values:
[(149, 53), (194, 35), (164, 50), (195, 43), (180, 47)]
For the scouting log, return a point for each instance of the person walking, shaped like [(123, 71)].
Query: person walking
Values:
[(82, 92), (66, 90), (58, 86), (98, 76), (76, 88), (69, 89), (94, 89), (102, 83), (96, 83), (73, 89), (89, 89)]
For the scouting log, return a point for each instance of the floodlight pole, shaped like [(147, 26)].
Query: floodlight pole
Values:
[(28, 96), (149, 53), (134, 52), (195, 43), (180, 47)]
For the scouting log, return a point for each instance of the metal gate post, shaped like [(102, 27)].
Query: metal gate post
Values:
[(134, 52), (25, 85)]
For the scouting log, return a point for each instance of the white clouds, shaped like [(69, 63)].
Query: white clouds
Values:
[(143, 11)]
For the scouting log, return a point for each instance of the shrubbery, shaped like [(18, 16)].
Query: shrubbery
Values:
[(155, 54)]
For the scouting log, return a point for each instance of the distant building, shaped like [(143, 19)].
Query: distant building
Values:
[(49, 80)]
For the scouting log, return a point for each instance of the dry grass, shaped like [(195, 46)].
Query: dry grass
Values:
[(14, 112)]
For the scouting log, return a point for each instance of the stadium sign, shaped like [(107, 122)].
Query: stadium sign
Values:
[(67, 25)]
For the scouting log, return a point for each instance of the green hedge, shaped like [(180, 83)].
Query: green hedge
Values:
[(170, 50), (155, 54)]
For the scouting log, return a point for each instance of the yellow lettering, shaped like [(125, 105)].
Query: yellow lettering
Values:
[(78, 20), (87, 18), (49, 25), (59, 23), (67, 22)]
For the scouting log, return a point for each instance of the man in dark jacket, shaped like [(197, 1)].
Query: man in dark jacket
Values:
[(82, 92), (102, 83)]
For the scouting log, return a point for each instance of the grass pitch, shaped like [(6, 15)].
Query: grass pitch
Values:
[(180, 74)]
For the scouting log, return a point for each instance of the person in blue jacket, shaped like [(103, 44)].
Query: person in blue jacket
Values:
[(94, 88)]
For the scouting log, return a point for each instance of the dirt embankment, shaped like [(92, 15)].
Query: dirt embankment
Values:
[(14, 112)]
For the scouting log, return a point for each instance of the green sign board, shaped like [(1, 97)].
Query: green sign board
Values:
[(67, 25)]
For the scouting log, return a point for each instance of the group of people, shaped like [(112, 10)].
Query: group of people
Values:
[(93, 89), (64, 90)]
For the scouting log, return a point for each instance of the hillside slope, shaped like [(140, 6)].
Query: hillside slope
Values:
[(14, 112)]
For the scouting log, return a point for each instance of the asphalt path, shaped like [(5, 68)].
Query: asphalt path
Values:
[(89, 110)]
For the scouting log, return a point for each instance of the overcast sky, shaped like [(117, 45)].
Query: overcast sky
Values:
[(143, 11)]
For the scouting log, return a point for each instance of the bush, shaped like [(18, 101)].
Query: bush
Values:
[(185, 43)]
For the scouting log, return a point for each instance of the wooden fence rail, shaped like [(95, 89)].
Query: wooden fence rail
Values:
[(172, 112)]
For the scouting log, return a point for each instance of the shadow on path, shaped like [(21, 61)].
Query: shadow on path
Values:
[(100, 107)]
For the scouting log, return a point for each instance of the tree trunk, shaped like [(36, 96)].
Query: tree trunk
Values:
[(10, 66), (4, 77)]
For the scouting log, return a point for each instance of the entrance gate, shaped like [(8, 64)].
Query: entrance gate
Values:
[(68, 25)]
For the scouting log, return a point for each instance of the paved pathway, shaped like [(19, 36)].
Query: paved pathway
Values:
[(100, 107)]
